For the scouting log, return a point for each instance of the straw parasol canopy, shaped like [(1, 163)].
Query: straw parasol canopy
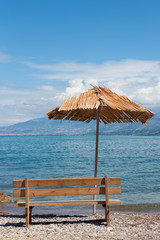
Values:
[(101, 104), (112, 108)]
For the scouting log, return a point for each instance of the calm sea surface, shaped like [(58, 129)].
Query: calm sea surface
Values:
[(136, 159)]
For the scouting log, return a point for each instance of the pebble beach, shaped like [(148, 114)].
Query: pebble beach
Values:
[(58, 227)]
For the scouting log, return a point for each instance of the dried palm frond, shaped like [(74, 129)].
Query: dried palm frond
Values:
[(112, 108)]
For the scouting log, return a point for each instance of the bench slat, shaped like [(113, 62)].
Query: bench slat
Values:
[(60, 203), (59, 182), (66, 182), (59, 192), (114, 201), (70, 202), (114, 190), (114, 180), (66, 191)]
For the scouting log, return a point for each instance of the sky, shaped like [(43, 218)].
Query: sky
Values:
[(51, 50)]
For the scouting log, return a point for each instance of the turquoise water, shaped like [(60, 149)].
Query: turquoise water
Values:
[(136, 159)]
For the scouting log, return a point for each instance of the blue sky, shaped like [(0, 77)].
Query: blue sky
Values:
[(53, 49)]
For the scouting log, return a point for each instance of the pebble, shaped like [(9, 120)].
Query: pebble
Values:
[(123, 227)]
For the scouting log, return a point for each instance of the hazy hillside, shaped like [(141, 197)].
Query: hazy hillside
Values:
[(43, 126)]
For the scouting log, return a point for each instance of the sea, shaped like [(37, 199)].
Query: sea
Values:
[(135, 159)]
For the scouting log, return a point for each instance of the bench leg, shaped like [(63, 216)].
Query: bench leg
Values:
[(27, 217), (30, 215), (94, 206), (107, 215)]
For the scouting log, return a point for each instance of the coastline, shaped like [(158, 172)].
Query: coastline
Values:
[(133, 221), (150, 208)]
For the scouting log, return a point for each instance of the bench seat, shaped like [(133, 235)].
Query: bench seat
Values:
[(70, 202)]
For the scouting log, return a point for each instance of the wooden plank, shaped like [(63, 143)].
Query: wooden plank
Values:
[(19, 193), (114, 201), (60, 203), (66, 191), (19, 204), (18, 183), (71, 202), (26, 202), (107, 217), (59, 192), (114, 190), (66, 182), (30, 215), (59, 182), (114, 180)]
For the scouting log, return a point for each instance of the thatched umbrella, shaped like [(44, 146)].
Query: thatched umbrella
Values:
[(101, 104)]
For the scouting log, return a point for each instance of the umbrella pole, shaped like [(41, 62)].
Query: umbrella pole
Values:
[(97, 138), (96, 155)]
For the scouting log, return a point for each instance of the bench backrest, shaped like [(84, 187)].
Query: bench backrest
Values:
[(66, 187)]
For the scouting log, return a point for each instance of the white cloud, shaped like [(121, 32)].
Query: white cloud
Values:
[(45, 88), (4, 58), (17, 105), (138, 80), (149, 95)]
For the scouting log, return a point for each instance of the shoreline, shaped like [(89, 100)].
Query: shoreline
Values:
[(130, 221), (149, 208)]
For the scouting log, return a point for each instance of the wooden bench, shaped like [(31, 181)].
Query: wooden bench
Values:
[(65, 187)]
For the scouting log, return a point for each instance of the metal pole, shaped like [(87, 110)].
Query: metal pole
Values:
[(96, 155)]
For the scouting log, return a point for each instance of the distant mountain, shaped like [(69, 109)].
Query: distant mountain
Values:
[(43, 126)]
